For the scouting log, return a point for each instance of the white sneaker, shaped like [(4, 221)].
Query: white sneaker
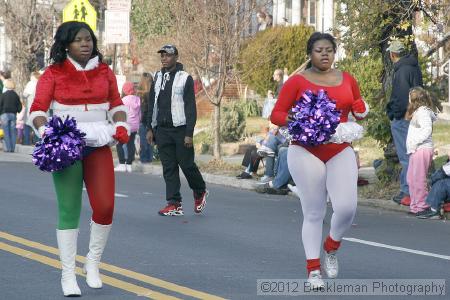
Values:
[(265, 179), (128, 167), (315, 280), (331, 264), (264, 151), (120, 168), (293, 189)]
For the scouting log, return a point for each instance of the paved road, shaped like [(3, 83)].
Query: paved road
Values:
[(242, 237)]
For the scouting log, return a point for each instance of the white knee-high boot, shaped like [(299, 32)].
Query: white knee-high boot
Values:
[(97, 243), (67, 244)]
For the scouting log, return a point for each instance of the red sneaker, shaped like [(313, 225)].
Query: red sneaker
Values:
[(172, 210), (406, 201), (362, 182), (447, 207), (200, 202)]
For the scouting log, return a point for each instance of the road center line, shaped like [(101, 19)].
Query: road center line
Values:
[(129, 287), (418, 252), (114, 269)]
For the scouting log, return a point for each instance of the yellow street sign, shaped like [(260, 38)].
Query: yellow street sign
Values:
[(81, 11)]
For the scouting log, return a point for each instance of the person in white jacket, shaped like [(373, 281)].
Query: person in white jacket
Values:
[(28, 96), (419, 146)]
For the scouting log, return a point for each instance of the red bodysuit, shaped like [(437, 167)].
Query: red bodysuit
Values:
[(345, 94), (90, 96)]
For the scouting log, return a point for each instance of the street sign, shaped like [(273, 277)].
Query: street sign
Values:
[(118, 5), (117, 27), (81, 11)]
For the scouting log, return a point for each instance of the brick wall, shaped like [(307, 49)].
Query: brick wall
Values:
[(204, 106)]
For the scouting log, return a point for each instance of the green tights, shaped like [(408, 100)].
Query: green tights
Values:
[(69, 187)]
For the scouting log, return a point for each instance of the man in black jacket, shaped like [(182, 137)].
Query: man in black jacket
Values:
[(171, 118), (407, 74), (10, 105)]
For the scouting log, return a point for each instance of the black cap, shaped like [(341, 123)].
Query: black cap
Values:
[(169, 49)]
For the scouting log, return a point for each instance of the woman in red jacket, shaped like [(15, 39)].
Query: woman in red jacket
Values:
[(328, 169), (79, 85)]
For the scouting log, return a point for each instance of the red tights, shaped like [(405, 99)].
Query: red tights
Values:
[(98, 175)]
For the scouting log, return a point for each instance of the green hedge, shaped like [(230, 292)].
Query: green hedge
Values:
[(250, 107), (232, 122), (275, 48), (367, 70)]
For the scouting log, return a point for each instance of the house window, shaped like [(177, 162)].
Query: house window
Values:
[(288, 11)]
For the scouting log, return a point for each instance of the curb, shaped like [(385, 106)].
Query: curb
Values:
[(384, 204), (22, 149), (242, 183), (250, 185), (207, 177)]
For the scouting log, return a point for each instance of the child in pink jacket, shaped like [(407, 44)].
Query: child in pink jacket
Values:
[(133, 103)]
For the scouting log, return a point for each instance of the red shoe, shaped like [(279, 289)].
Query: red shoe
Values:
[(200, 202), (172, 210), (362, 182), (406, 201), (447, 207)]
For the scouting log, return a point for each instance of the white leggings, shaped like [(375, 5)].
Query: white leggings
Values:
[(315, 180)]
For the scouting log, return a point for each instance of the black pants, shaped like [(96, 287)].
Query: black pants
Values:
[(131, 150), (173, 154), (252, 159)]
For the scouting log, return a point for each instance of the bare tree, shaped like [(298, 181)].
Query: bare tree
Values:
[(210, 33), (28, 24)]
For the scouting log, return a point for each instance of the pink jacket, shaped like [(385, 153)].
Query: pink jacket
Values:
[(133, 103)]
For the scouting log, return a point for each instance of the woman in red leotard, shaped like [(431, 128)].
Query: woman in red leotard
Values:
[(79, 85), (329, 169)]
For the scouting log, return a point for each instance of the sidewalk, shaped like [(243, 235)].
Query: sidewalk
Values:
[(23, 154)]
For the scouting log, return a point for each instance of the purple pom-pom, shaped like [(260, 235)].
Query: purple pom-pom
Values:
[(61, 146), (315, 119)]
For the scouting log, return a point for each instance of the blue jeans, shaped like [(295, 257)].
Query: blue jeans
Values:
[(273, 141), (146, 154), (399, 130), (9, 129), (440, 191), (269, 168), (27, 140), (283, 176)]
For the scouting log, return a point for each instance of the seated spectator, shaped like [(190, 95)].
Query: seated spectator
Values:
[(269, 150), (269, 146), (278, 186), (266, 147), (251, 158), (251, 162), (439, 193)]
